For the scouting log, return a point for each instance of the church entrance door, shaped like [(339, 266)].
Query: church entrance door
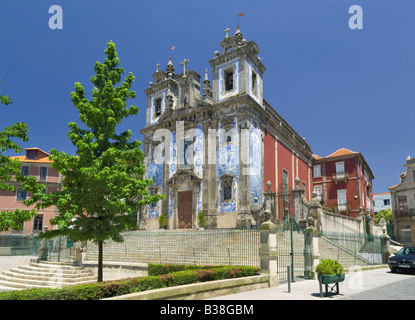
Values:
[(184, 208)]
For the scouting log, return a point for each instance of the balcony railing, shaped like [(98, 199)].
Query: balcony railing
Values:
[(340, 176), (342, 207)]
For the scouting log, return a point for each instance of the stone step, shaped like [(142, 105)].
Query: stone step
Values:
[(60, 266), (16, 272), (50, 270), (47, 282), (45, 275)]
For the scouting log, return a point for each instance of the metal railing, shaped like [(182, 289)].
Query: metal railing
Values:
[(199, 247), (365, 246)]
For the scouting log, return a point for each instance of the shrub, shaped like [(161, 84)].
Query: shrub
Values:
[(201, 219), (162, 221), (155, 269), (181, 274), (329, 267)]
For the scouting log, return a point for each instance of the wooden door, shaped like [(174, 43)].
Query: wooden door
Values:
[(184, 208)]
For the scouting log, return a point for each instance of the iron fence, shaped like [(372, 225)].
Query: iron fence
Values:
[(199, 247)]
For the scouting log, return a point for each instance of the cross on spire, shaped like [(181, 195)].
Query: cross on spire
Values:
[(157, 67), (227, 32), (184, 65)]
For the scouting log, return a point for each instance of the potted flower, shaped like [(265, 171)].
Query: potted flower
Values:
[(331, 271), (201, 220)]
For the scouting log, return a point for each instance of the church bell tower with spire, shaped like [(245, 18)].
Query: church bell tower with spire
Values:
[(237, 69)]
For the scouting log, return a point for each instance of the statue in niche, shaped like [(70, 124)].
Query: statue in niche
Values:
[(186, 99)]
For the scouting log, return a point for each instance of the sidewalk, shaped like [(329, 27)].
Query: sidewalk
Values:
[(354, 284)]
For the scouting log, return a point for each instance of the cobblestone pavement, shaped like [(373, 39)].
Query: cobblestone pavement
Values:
[(378, 284)]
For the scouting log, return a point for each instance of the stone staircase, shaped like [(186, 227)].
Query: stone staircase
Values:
[(45, 275), (330, 250)]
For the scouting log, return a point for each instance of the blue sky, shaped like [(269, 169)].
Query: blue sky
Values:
[(336, 87)]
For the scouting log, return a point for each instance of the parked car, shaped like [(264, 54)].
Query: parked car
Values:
[(403, 260)]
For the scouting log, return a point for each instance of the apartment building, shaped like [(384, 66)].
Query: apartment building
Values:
[(35, 163), (343, 182)]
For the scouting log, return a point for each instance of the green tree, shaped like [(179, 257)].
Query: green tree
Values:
[(387, 215), (10, 174), (102, 186)]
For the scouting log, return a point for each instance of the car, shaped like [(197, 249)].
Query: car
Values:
[(404, 260)]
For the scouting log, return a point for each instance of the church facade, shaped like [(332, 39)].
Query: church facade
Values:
[(213, 145)]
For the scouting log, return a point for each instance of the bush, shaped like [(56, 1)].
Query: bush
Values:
[(180, 275), (155, 269), (329, 267), (162, 221)]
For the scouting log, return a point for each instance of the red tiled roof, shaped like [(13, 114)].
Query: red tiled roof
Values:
[(341, 152)]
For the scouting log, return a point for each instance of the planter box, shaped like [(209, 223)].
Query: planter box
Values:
[(333, 279)]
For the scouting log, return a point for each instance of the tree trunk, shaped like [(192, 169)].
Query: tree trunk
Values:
[(100, 251)]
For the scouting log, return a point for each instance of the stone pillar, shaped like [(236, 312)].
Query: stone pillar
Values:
[(311, 250), (268, 250), (80, 247), (386, 249)]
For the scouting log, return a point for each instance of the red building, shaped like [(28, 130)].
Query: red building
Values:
[(34, 163), (343, 182)]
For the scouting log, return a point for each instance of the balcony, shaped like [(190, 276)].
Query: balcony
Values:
[(342, 208), (340, 176)]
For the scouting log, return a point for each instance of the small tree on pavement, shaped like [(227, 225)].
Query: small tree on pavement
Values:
[(102, 187)]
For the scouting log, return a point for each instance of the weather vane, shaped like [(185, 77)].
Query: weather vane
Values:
[(239, 15)]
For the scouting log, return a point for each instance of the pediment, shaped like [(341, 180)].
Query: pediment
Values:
[(184, 173)]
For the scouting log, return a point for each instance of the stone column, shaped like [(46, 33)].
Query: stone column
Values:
[(268, 250), (311, 250), (386, 249)]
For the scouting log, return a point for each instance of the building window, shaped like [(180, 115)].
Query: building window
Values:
[(406, 234), (386, 202), (317, 171), (187, 157), (229, 80), (340, 167), (43, 173), (319, 192), (228, 139), (341, 200), (31, 154), (21, 194), (153, 192), (157, 107), (25, 171), (254, 87), (38, 223), (403, 206), (413, 173), (227, 191), (284, 181)]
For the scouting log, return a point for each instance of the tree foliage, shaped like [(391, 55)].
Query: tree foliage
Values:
[(10, 174), (386, 214), (102, 187)]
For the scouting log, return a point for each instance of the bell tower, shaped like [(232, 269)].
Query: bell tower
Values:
[(237, 69)]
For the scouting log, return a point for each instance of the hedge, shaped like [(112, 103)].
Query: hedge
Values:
[(96, 291)]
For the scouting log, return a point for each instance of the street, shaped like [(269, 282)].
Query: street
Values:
[(377, 284), (389, 286)]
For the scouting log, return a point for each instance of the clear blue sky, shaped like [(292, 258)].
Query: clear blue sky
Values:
[(336, 87)]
